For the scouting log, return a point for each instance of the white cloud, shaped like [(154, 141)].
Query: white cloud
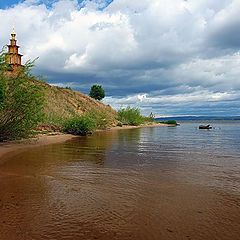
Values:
[(134, 48), (196, 97), (170, 104)]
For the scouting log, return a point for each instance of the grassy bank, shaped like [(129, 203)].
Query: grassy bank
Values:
[(88, 123), (29, 106), (64, 103)]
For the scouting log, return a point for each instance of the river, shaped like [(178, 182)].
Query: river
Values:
[(137, 184)]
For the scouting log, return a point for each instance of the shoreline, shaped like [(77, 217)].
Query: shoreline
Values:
[(140, 126), (7, 148)]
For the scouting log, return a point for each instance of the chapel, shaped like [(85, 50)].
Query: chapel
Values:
[(13, 57)]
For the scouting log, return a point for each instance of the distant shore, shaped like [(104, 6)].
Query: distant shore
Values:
[(54, 138)]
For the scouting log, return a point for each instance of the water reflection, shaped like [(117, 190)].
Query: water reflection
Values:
[(153, 183)]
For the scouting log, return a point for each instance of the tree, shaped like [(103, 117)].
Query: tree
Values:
[(97, 92)]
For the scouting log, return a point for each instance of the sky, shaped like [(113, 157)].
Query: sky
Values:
[(172, 58)]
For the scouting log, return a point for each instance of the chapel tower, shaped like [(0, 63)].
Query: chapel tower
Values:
[(14, 59)]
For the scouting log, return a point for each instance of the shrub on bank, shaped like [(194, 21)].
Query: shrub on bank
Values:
[(171, 122), (101, 119), (21, 103), (130, 116), (81, 125)]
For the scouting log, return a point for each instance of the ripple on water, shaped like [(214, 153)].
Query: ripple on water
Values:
[(146, 184)]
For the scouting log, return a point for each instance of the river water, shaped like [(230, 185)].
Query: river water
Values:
[(150, 183)]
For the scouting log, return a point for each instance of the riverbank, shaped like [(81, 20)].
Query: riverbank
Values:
[(43, 140)]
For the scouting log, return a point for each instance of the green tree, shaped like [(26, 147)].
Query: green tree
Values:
[(21, 102), (97, 92)]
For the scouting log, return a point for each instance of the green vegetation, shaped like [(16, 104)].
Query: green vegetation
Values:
[(63, 104), (81, 125), (97, 92), (170, 122), (21, 103), (86, 124), (28, 106), (101, 119), (150, 118), (130, 116)]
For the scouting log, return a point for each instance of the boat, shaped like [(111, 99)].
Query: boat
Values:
[(205, 127)]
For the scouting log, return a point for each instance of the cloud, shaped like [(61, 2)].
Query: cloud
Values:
[(196, 103), (150, 53), (223, 27)]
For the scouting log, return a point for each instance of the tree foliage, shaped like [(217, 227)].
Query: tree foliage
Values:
[(21, 102), (97, 92)]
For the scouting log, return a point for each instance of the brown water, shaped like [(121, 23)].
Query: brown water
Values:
[(159, 183)]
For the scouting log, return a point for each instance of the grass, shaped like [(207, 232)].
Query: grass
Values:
[(63, 104)]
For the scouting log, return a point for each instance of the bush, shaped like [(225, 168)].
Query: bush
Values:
[(21, 103), (97, 92), (172, 122), (130, 116), (82, 125), (100, 118)]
